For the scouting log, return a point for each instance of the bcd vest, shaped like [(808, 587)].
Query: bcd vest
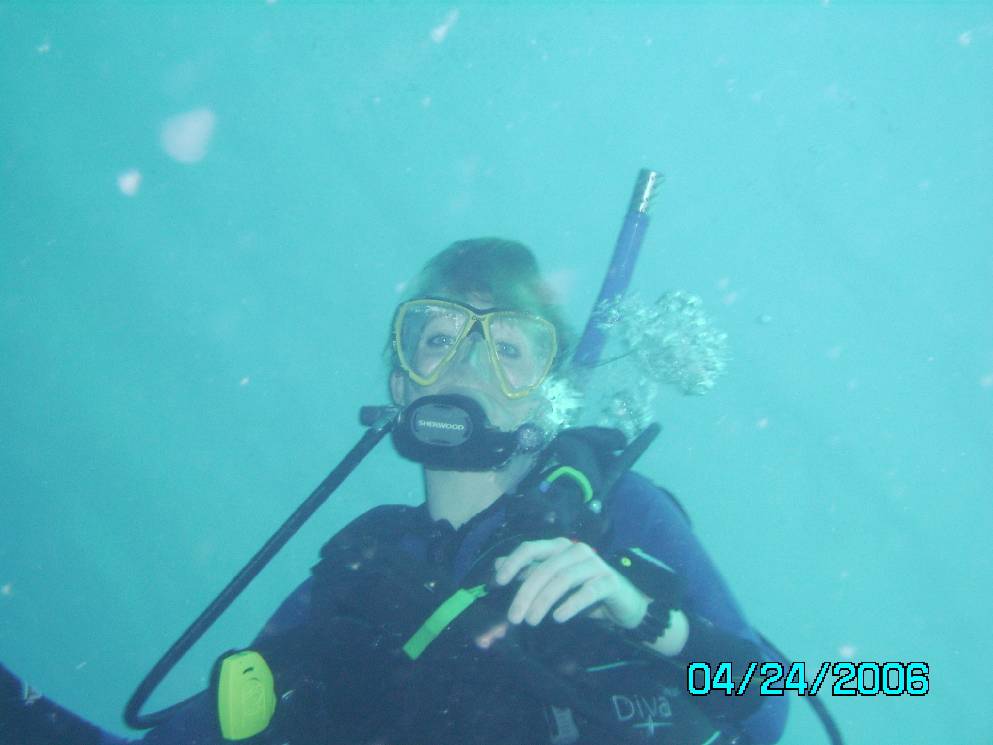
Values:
[(402, 658)]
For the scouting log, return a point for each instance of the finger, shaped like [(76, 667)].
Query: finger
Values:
[(528, 553), (525, 554), (521, 575), (594, 591), (559, 585), (542, 574)]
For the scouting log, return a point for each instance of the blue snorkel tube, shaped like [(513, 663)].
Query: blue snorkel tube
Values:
[(621, 268)]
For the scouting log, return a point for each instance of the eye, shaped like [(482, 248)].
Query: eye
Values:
[(440, 341), (508, 351)]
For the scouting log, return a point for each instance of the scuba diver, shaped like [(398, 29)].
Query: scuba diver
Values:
[(542, 592)]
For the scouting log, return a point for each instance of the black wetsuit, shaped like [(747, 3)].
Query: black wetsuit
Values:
[(334, 647), (335, 650)]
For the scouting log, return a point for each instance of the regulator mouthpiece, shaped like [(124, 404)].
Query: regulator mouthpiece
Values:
[(452, 433)]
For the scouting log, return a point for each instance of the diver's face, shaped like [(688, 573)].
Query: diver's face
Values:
[(470, 373)]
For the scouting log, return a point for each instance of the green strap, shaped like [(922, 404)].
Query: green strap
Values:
[(712, 738), (578, 476), (441, 618)]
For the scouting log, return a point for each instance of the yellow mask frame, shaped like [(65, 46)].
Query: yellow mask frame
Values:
[(484, 319)]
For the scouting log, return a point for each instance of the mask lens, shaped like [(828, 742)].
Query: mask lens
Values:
[(427, 334), (523, 348)]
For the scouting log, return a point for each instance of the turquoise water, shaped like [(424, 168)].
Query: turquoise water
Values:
[(207, 215)]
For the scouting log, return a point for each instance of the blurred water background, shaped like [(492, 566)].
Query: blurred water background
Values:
[(207, 212)]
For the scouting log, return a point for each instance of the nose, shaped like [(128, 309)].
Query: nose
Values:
[(473, 357)]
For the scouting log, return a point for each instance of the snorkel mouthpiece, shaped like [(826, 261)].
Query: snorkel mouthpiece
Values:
[(452, 433)]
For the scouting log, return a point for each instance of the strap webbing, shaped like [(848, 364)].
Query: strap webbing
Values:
[(439, 620)]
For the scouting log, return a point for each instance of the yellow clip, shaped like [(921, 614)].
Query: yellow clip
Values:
[(246, 695)]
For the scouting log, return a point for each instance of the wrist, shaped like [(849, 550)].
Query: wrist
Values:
[(638, 617), (664, 630), (653, 622)]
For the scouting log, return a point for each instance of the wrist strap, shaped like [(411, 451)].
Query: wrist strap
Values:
[(657, 619)]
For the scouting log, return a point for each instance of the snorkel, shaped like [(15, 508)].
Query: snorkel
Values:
[(620, 269)]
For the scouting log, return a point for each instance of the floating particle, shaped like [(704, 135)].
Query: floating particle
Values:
[(128, 182), (762, 423), (244, 381), (847, 651), (185, 137), (986, 381), (965, 38), (7, 590), (438, 33)]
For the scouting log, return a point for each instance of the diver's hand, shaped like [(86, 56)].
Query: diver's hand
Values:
[(551, 569)]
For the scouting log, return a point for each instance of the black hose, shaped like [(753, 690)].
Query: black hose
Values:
[(387, 417), (830, 726)]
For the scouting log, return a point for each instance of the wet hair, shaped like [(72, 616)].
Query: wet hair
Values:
[(504, 272)]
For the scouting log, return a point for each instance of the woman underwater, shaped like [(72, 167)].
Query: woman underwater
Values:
[(542, 593)]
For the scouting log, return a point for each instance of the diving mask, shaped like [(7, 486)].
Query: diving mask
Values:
[(428, 334)]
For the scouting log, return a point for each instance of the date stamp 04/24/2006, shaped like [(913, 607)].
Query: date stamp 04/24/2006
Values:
[(776, 678)]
